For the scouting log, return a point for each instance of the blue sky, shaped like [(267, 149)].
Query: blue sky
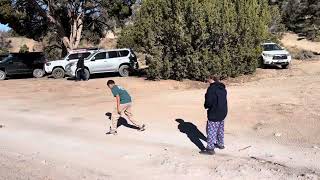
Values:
[(4, 27)]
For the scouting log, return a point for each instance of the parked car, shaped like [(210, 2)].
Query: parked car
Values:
[(57, 68), (2, 56), (122, 61), (275, 55), (22, 63)]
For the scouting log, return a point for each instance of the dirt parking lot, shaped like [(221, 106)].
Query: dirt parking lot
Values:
[(55, 129)]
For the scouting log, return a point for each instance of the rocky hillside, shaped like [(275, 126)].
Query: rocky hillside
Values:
[(17, 42)]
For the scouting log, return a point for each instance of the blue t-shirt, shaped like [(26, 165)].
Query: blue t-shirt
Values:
[(123, 94)]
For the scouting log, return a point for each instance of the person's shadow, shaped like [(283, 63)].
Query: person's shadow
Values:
[(122, 122), (193, 133)]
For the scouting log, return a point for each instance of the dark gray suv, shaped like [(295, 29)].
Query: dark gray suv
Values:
[(22, 63)]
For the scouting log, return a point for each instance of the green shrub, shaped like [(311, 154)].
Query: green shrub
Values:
[(24, 48), (4, 43), (194, 38)]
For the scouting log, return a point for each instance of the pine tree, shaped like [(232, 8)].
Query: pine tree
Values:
[(194, 38), (302, 16), (4, 43), (24, 49)]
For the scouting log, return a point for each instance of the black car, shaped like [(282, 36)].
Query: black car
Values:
[(2, 56), (22, 63)]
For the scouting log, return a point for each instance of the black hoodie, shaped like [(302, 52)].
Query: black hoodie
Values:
[(80, 63), (216, 102)]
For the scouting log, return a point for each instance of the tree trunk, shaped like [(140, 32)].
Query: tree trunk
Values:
[(73, 41), (79, 32), (64, 51), (76, 17)]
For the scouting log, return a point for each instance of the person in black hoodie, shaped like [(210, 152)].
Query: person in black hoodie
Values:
[(80, 74), (217, 109)]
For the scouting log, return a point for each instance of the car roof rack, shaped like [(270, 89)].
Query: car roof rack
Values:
[(268, 41), (86, 49)]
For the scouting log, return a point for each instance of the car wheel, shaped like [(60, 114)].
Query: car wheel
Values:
[(261, 63), (124, 71), (58, 73), (285, 66), (38, 73), (2, 75), (87, 74)]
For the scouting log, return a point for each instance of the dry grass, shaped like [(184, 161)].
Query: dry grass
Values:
[(17, 42), (294, 42)]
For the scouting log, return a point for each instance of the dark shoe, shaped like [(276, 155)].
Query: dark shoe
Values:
[(109, 115), (207, 152), (219, 146), (142, 128), (112, 132)]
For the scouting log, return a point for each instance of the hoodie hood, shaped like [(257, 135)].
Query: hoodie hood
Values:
[(216, 102), (218, 85)]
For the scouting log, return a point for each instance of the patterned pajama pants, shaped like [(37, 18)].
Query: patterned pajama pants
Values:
[(215, 132)]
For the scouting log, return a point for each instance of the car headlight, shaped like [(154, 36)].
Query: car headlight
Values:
[(48, 64), (69, 65), (267, 55)]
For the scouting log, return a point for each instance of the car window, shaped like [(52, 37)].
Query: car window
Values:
[(271, 47), (132, 53), (6, 58), (90, 56), (101, 55), (124, 53), (85, 55), (73, 56), (15, 59), (2, 58), (76, 55), (113, 54)]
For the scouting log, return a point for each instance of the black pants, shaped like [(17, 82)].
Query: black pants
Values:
[(81, 75)]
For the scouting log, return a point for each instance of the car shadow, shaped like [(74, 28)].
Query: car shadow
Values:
[(272, 67), (121, 122), (192, 132), (21, 76), (136, 73), (96, 76)]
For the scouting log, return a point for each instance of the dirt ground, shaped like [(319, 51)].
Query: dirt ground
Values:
[(55, 129), (292, 40)]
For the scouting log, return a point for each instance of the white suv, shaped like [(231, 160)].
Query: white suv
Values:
[(57, 68), (273, 54), (104, 61)]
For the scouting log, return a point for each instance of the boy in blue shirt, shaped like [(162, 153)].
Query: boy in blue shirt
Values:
[(124, 105)]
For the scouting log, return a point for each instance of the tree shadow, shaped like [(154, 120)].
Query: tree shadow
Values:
[(192, 132), (122, 122)]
